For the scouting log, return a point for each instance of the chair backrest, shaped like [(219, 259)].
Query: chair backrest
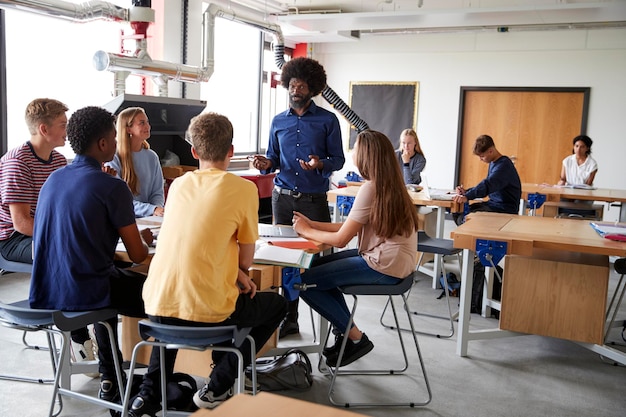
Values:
[(11, 266), (193, 336)]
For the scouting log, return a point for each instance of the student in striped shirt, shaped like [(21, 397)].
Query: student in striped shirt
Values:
[(23, 170)]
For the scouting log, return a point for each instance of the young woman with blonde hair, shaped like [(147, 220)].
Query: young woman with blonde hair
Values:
[(137, 164), (384, 219), (410, 157)]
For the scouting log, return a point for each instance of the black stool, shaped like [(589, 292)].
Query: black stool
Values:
[(401, 289), (68, 321), (168, 336), (19, 315), (436, 246)]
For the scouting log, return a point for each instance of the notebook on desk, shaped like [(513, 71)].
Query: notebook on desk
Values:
[(612, 231), (275, 230)]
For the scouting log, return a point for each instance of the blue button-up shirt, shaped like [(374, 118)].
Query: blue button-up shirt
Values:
[(294, 137)]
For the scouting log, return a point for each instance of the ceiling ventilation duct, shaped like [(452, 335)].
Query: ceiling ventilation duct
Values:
[(140, 15)]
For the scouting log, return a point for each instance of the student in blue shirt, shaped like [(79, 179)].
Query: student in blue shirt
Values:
[(502, 185), (305, 148)]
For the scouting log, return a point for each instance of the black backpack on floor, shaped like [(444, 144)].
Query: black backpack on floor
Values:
[(477, 288)]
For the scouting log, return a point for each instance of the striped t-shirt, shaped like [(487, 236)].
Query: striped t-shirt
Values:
[(22, 174)]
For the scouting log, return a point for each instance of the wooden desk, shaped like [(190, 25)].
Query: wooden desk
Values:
[(419, 199), (265, 404), (525, 236), (555, 193)]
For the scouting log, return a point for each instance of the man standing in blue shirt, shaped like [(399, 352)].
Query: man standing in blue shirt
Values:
[(502, 185), (305, 148)]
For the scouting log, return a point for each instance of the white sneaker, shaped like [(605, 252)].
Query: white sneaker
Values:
[(206, 399), (83, 353)]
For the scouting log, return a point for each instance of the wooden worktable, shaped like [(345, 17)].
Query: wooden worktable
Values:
[(418, 198), (531, 237)]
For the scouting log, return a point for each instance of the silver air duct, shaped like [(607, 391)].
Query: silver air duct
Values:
[(84, 12), (161, 71), (178, 72)]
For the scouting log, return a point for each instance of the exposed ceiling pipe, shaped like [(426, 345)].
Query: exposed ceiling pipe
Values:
[(84, 12), (161, 71)]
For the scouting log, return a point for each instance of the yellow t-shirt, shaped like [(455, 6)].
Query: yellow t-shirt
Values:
[(193, 275)]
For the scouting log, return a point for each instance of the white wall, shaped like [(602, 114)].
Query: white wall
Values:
[(442, 63)]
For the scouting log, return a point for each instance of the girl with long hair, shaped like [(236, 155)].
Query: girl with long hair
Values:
[(384, 220), (137, 164), (410, 157)]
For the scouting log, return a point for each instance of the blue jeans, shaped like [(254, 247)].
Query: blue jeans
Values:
[(339, 269)]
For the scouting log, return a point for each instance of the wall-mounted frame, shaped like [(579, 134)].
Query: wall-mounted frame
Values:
[(389, 107)]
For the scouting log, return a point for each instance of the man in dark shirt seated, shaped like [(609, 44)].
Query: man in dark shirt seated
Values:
[(502, 185), (81, 214)]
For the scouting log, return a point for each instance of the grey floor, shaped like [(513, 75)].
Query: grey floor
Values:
[(517, 376)]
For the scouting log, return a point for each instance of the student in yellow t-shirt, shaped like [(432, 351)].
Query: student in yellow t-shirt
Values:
[(198, 276)]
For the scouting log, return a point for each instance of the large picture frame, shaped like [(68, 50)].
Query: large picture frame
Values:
[(388, 107)]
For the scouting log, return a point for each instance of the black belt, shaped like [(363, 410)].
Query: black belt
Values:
[(296, 194)]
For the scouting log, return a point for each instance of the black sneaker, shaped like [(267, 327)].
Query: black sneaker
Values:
[(141, 406), (288, 327), (108, 391), (352, 352), (333, 351)]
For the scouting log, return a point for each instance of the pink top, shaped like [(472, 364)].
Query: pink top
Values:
[(396, 256)]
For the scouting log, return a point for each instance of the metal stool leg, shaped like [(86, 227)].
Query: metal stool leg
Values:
[(451, 316), (61, 369), (51, 349), (614, 305)]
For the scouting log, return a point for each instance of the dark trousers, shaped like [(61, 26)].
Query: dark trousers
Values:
[(126, 287), (17, 248), (263, 314), (314, 206)]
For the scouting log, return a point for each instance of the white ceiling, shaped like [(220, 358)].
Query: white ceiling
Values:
[(316, 21)]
